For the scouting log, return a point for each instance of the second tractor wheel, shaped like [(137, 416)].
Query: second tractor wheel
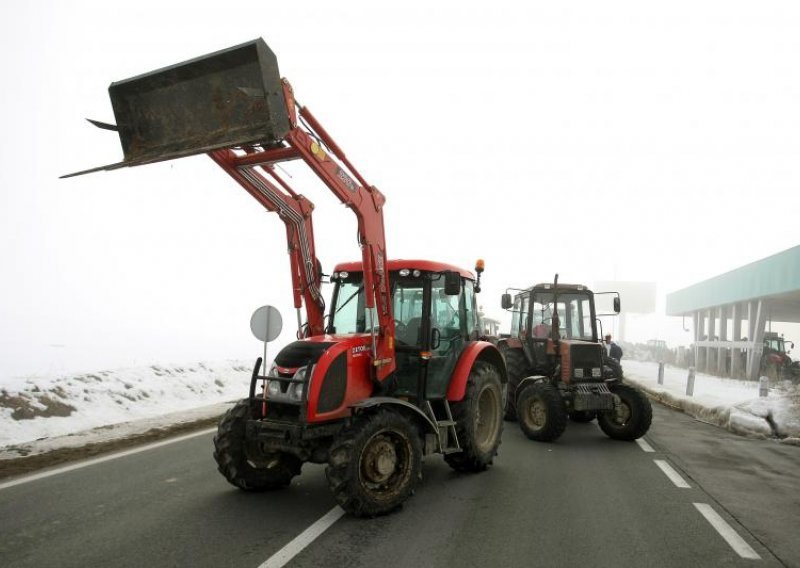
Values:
[(541, 412), (375, 463), (479, 420), (632, 419), (516, 367)]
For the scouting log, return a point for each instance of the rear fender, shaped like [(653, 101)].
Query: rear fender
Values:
[(473, 352), (533, 379)]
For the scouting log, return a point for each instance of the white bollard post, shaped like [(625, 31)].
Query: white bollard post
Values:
[(690, 382), (661, 372), (763, 386)]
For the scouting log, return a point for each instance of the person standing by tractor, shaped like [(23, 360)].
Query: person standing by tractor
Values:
[(613, 350)]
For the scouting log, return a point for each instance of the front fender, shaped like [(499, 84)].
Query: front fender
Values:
[(473, 352), (376, 401)]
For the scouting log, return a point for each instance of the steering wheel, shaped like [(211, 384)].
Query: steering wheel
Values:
[(399, 327)]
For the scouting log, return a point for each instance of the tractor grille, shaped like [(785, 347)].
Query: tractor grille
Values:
[(586, 362), (334, 385)]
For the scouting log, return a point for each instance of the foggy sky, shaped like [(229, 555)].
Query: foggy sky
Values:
[(602, 141)]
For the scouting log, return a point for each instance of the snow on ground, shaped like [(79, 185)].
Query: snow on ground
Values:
[(729, 403), (133, 400), (42, 413)]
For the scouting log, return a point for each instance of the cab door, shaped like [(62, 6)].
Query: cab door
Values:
[(454, 322)]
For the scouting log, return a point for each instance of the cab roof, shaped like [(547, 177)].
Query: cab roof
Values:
[(399, 264)]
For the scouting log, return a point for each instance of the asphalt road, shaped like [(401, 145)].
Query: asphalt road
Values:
[(585, 500)]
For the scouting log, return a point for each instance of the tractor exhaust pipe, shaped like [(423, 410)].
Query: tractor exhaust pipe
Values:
[(228, 98)]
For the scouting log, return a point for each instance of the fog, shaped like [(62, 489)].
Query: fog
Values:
[(601, 141)]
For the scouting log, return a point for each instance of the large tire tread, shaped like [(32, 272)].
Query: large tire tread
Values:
[(516, 366), (641, 415), (555, 421), (343, 470), (231, 455), (472, 458)]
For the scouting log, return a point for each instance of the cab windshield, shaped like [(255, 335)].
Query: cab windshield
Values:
[(575, 316)]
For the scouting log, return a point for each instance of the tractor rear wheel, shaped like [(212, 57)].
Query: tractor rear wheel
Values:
[(257, 473), (632, 420), (375, 463), (479, 420), (582, 415), (516, 367), (541, 412)]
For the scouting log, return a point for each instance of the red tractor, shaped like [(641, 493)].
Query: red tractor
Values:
[(395, 369)]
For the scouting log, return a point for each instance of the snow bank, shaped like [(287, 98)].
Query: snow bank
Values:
[(37, 407), (729, 403)]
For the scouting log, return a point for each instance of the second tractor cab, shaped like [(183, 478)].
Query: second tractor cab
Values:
[(558, 368)]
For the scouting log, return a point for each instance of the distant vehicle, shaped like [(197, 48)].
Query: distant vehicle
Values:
[(775, 360)]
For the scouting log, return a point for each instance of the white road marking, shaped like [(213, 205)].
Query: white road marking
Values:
[(644, 445), (673, 475), (109, 457), (302, 540), (726, 531)]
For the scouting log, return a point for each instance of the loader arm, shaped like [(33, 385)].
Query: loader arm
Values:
[(253, 168), (234, 106)]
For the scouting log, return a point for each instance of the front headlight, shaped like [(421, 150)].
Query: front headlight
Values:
[(296, 391), (273, 388), (596, 372), (578, 373)]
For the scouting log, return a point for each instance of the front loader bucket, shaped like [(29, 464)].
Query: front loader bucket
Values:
[(227, 98)]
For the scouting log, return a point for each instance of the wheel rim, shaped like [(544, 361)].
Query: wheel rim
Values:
[(536, 413), (623, 415), (487, 419), (385, 464)]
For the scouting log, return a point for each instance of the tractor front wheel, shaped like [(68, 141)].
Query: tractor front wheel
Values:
[(250, 473), (375, 463), (479, 420), (541, 412), (632, 418)]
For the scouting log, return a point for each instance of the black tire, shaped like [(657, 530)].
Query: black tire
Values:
[(479, 420), (582, 415), (541, 412), (516, 367), (272, 471), (636, 419), (375, 463)]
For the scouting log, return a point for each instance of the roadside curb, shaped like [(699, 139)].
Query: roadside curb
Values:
[(729, 418)]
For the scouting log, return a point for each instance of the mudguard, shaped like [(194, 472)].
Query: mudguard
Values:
[(474, 351), (388, 400)]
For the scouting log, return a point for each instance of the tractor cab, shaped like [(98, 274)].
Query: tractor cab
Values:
[(435, 316), (532, 323)]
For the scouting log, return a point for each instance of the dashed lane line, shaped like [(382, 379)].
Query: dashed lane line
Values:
[(109, 457), (293, 548), (644, 445), (727, 532), (673, 475)]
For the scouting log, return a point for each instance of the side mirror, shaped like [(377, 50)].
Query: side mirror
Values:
[(436, 338), (452, 283), (616, 304), (505, 301)]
